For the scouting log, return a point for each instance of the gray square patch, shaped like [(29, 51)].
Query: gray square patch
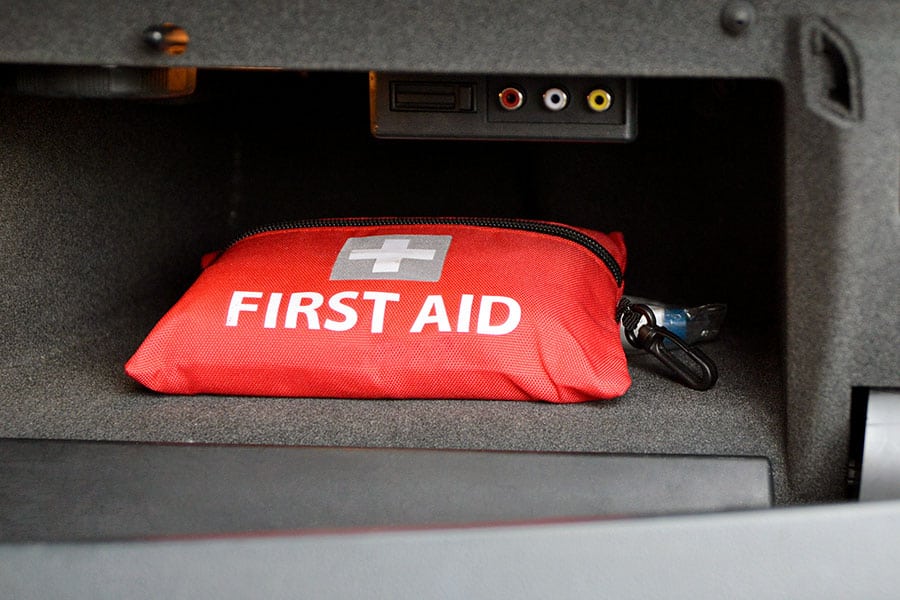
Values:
[(397, 257)]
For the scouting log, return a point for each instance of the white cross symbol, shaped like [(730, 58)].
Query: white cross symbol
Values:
[(387, 258)]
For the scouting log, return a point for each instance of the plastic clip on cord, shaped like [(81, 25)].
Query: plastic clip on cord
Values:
[(698, 373)]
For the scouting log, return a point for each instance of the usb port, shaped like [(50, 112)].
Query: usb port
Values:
[(423, 96)]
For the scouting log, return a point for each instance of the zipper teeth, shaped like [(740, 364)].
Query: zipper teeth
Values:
[(498, 223)]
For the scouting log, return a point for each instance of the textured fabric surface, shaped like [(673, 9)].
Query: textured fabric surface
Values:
[(84, 394), (512, 313), (106, 207)]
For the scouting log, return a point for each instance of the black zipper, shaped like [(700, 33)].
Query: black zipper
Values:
[(561, 231)]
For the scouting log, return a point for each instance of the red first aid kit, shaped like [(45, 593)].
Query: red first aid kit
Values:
[(399, 308)]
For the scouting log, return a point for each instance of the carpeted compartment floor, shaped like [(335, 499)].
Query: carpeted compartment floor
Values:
[(108, 206)]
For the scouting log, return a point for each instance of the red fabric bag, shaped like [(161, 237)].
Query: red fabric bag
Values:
[(399, 308)]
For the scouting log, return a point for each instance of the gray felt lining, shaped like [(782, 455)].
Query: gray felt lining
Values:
[(107, 205), (111, 204)]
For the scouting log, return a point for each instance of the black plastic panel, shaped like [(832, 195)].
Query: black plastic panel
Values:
[(461, 107), (55, 490)]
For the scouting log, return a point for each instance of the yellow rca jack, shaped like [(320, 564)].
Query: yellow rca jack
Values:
[(599, 100)]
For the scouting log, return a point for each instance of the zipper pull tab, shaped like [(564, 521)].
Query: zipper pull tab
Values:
[(698, 372)]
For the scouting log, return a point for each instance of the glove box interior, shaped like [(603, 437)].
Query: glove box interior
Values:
[(108, 206), (763, 174)]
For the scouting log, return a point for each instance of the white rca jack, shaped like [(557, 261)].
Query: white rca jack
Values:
[(555, 99)]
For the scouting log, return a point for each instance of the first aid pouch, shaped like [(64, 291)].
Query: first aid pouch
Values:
[(399, 308)]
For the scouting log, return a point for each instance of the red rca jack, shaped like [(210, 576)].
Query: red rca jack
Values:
[(555, 99), (599, 100), (511, 98)]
